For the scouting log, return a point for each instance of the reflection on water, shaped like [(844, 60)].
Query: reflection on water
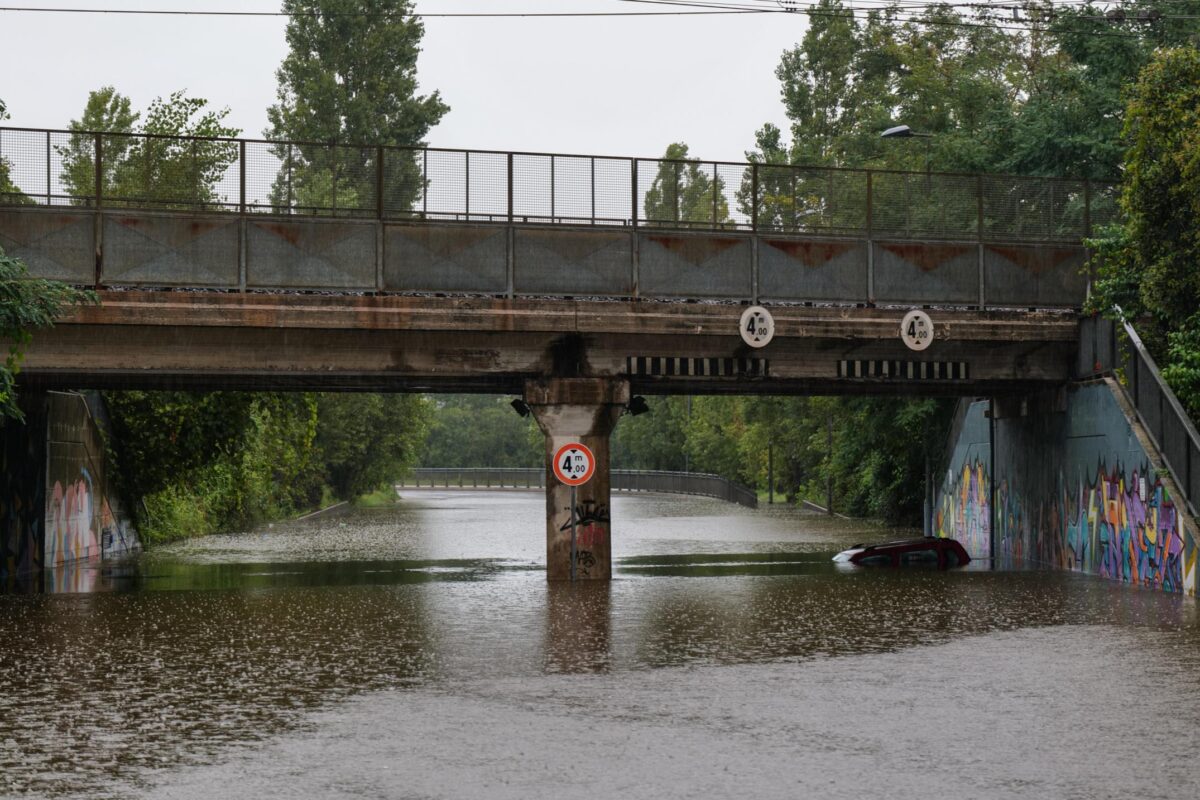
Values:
[(209, 647)]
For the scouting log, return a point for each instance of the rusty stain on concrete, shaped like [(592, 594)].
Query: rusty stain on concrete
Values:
[(696, 249), (812, 254), (1036, 259), (927, 257)]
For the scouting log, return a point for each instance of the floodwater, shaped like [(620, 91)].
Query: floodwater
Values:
[(418, 652)]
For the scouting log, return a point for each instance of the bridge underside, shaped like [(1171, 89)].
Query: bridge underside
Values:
[(219, 340)]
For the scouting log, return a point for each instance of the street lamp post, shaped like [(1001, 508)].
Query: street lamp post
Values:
[(905, 132)]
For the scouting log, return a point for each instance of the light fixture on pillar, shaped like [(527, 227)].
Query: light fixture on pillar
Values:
[(520, 406), (637, 405)]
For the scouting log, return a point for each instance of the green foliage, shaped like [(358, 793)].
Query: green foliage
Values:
[(655, 440), (683, 192), (162, 172), (1182, 368), (106, 111), (366, 441), (10, 193), (350, 76), (26, 304), (199, 463), (480, 431), (1147, 265), (876, 463)]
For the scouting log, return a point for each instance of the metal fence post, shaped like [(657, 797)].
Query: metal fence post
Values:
[(98, 225), (379, 182), (870, 230), (289, 179), (241, 177), (716, 217), (510, 188), (979, 234), (633, 182), (754, 196), (47, 167)]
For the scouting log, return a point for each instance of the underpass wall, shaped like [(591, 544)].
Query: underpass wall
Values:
[(1076, 485), (57, 504)]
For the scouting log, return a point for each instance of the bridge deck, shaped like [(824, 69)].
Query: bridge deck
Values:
[(289, 341)]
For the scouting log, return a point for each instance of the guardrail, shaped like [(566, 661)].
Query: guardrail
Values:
[(244, 214), (693, 483), (1159, 410), (146, 171)]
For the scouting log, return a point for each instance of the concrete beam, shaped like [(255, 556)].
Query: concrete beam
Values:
[(140, 339)]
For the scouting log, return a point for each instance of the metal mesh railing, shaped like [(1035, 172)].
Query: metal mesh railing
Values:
[(620, 481), (118, 170), (1162, 414)]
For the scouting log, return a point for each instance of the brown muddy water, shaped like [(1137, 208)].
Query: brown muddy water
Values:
[(418, 652)]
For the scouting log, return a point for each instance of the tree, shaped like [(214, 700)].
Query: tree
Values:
[(10, 193), (106, 111), (684, 193), (157, 168), (480, 431), (366, 441), (350, 77), (26, 304), (1147, 265)]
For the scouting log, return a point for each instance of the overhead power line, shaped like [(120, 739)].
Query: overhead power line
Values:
[(905, 11), (448, 14)]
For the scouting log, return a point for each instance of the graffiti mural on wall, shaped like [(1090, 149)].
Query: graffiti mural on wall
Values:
[(73, 521), (964, 512), (1117, 525)]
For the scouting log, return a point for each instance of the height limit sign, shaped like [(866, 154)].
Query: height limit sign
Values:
[(574, 464)]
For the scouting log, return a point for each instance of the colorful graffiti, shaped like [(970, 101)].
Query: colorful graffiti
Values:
[(72, 521), (965, 510), (1117, 525)]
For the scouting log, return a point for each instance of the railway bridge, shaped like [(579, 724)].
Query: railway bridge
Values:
[(575, 282)]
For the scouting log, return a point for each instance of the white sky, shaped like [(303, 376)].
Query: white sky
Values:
[(608, 86)]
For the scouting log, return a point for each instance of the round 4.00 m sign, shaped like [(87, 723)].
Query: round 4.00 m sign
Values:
[(758, 326), (916, 331), (574, 464)]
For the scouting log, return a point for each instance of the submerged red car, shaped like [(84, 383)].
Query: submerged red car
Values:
[(928, 551)]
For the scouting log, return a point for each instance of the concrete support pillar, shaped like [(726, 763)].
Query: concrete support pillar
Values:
[(583, 410)]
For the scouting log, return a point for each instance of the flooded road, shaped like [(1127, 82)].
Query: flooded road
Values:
[(418, 652)]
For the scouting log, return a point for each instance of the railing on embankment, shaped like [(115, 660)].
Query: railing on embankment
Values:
[(622, 480), (1116, 345), (119, 209)]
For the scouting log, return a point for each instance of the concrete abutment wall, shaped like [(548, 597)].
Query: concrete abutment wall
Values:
[(57, 503), (1067, 479)]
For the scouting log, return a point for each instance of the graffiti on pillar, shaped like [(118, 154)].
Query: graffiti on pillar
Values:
[(1120, 525), (591, 523), (584, 561), (964, 512)]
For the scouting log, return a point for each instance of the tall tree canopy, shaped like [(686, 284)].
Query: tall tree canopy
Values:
[(1148, 264), (162, 172), (685, 191), (350, 77)]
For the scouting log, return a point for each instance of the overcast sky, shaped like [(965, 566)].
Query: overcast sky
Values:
[(614, 86)]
